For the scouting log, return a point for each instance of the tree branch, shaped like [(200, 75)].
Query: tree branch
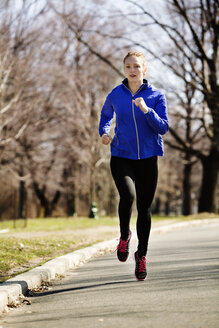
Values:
[(195, 36), (186, 148), (85, 43), (168, 28)]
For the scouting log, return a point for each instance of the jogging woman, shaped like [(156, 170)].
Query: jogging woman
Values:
[(141, 119)]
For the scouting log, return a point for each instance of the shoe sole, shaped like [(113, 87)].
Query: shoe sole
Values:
[(121, 260), (135, 273), (140, 279), (128, 253)]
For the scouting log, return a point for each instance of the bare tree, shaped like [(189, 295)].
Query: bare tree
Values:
[(53, 154), (10, 91), (190, 52), (94, 75), (194, 34)]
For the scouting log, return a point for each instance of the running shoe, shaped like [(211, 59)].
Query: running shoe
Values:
[(140, 267), (123, 249)]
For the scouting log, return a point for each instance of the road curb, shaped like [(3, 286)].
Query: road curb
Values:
[(12, 289)]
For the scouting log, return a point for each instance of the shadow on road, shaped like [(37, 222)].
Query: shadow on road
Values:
[(80, 288)]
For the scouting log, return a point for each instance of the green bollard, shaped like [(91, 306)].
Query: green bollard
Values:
[(93, 211)]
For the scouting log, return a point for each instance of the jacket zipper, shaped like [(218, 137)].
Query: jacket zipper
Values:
[(136, 128), (133, 112)]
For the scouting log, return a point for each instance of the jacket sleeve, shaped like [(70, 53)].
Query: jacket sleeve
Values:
[(157, 118), (106, 117)]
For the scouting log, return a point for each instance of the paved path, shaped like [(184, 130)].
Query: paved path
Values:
[(182, 289)]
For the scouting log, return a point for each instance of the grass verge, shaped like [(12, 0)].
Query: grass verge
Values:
[(20, 255), (32, 242), (55, 224)]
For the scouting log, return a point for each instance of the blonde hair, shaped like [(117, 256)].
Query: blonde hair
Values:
[(137, 54)]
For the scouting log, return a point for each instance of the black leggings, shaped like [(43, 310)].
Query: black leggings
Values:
[(135, 177)]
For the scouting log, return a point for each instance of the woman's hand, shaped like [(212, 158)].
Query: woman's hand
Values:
[(106, 139), (139, 102)]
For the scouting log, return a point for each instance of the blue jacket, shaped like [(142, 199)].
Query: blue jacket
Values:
[(137, 135)]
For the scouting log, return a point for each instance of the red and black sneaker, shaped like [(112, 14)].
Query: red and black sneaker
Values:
[(123, 249), (140, 267)]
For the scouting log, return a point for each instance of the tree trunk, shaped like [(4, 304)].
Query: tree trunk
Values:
[(156, 206), (70, 204), (187, 187), (167, 204), (47, 209), (21, 196), (21, 200), (207, 199), (45, 203), (50, 206)]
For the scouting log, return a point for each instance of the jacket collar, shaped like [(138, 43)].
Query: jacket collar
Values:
[(125, 82)]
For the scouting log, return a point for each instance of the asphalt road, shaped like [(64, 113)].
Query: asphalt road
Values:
[(182, 289)]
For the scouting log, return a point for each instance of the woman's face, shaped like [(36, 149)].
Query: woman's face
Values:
[(134, 69)]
